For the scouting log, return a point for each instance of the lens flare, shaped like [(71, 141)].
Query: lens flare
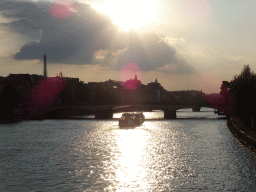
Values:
[(45, 92), (131, 70), (62, 9)]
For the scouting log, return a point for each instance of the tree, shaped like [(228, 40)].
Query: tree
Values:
[(81, 95), (9, 99), (243, 88), (227, 100), (66, 95)]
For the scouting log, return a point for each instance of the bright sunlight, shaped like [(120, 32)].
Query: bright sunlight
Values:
[(129, 15)]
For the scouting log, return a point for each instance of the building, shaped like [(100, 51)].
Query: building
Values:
[(132, 84), (160, 94)]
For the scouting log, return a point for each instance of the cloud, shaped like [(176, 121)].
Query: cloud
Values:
[(74, 33), (150, 53), (72, 39), (235, 58)]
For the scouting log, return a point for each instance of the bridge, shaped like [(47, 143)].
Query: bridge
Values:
[(105, 111)]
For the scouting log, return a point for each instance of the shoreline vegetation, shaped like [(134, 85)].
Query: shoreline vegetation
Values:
[(240, 96)]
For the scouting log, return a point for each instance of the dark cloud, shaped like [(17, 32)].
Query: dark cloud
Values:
[(70, 40), (80, 35), (149, 52)]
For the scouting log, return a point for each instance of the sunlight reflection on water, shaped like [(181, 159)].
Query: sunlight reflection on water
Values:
[(131, 146), (143, 159)]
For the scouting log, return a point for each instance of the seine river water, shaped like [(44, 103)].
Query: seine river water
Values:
[(195, 152)]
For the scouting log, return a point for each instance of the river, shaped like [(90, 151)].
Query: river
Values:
[(195, 152)]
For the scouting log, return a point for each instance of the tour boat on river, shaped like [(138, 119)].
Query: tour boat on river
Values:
[(131, 119)]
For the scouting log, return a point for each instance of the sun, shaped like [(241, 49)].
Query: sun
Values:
[(128, 15)]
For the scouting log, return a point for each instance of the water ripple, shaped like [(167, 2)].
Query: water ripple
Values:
[(96, 155)]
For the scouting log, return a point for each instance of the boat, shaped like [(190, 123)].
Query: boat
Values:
[(131, 119)]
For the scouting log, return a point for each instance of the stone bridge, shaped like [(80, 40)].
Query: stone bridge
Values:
[(106, 111)]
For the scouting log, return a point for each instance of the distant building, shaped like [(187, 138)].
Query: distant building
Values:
[(160, 94), (186, 96), (132, 84), (24, 84), (45, 65)]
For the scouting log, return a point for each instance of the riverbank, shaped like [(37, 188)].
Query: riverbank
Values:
[(247, 138)]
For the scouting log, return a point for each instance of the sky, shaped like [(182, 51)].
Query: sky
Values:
[(185, 44)]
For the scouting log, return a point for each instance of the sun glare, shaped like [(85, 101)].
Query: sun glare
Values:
[(131, 14)]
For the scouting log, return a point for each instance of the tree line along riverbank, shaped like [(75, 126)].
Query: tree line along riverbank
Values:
[(240, 97)]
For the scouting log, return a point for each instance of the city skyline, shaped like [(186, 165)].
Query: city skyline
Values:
[(186, 45)]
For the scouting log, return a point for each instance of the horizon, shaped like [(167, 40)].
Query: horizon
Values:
[(109, 80)]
